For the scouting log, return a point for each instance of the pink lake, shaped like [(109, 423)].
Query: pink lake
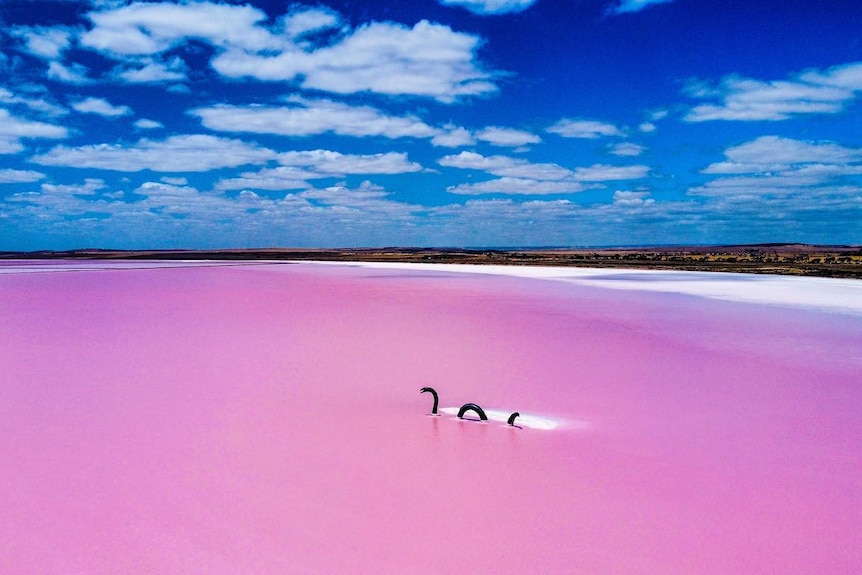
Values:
[(266, 418)]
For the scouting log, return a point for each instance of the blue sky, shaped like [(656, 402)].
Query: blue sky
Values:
[(212, 124)]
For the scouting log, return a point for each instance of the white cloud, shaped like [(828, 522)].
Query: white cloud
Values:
[(13, 129), (506, 167), (491, 6), (626, 149), (506, 137), (647, 127), (654, 116), (299, 167), (40, 105), (146, 124), (774, 166), (88, 188), (10, 145), (453, 137), (343, 196), (9, 176), (43, 41), (152, 72), (101, 107), (280, 178), (518, 176), (302, 20), (175, 181), (73, 74), (628, 198), (428, 60), (589, 129), (602, 173), (771, 153), (524, 186), (659, 114), (178, 200), (310, 117), (746, 99), (188, 153), (335, 163), (630, 6), (146, 29), (847, 76)]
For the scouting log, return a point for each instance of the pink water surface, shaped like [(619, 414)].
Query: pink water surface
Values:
[(267, 419)]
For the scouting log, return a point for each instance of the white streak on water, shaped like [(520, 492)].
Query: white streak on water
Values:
[(523, 420)]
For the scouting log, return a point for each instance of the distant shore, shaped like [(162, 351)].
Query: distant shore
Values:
[(785, 259)]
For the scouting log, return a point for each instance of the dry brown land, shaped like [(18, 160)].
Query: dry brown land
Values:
[(788, 259)]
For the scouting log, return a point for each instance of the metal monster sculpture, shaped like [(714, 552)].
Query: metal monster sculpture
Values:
[(472, 407), (434, 393)]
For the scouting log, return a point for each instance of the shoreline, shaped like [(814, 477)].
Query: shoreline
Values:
[(840, 296), (769, 259)]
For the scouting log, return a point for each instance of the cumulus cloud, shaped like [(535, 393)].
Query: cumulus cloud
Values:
[(630, 6), (309, 117), (147, 124), (40, 104), (519, 176), (297, 168), (491, 6), (523, 186), (649, 126), (13, 129), (506, 166), (153, 72), (101, 107), (506, 137), (335, 163), (626, 149), (187, 153), (772, 165), (630, 198), (303, 117), (280, 178), (146, 29), (44, 42), (301, 21), (427, 59), (172, 200), (745, 99), (72, 74), (10, 176), (451, 136), (346, 197), (589, 129), (771, 153), (88, 188)]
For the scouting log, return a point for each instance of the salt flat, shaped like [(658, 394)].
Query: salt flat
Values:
[(827, 294)]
